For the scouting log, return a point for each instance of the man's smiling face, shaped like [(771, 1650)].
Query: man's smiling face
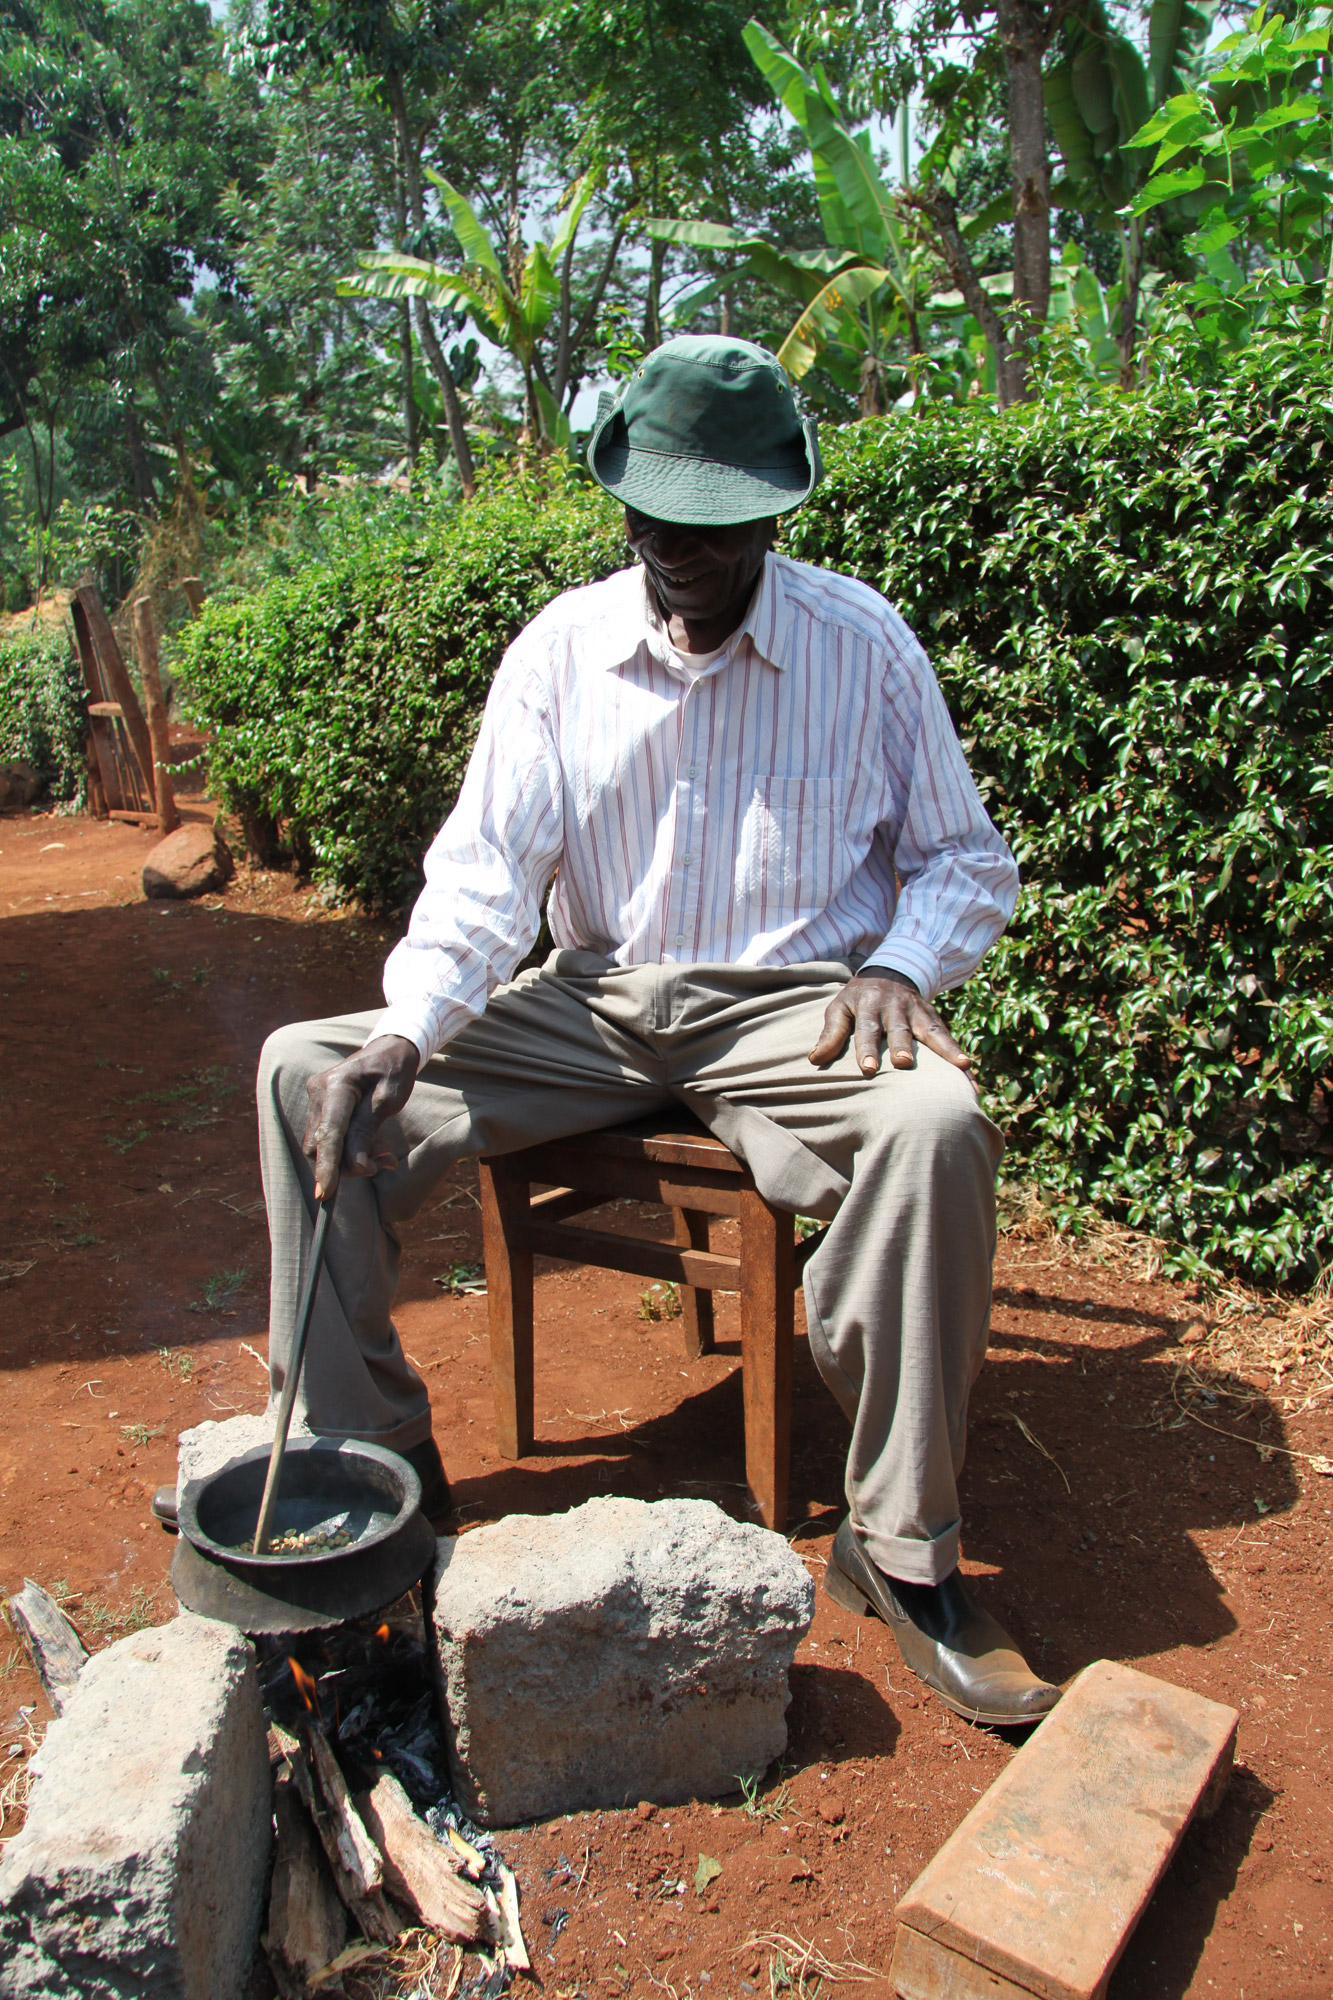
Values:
[(699, 574)]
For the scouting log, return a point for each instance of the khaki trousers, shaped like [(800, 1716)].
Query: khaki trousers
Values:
[(903, 1164)]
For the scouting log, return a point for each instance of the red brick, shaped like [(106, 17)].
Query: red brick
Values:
[(1039, 1890)]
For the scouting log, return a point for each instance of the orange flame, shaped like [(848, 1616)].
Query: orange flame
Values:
[(382, 1634), (305, 1686)]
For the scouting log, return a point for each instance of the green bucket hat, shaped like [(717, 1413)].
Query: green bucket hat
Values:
[(706, 433)]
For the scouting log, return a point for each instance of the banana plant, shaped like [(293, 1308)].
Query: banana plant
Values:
[(1248, 148), (870, 282), (512, 315), (1099, 93)]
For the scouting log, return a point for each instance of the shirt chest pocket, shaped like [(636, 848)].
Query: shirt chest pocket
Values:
[(784, 859)]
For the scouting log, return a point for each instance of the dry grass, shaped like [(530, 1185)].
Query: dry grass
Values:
[(420, 1966)]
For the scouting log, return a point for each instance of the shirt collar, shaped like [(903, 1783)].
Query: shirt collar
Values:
[(767, 623)]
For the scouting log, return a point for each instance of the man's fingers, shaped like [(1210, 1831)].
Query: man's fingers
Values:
[(929, 1029), (838, 1023), (869, 1030), (338, 1102), (898, 1027)]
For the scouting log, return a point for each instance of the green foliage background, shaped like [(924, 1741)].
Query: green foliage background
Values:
[(1127, 599), (345, 700), (42, 712)]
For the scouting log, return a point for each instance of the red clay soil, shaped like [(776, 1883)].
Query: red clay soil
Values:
[(1102, 1518)]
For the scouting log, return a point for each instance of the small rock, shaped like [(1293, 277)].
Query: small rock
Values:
[(189, 862), (832, 1811), (141, 1865), (645, 1809), (1195, 1333), (19, 786), (643, 1646)]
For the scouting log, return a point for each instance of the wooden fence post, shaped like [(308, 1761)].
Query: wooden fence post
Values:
[(146, 639)]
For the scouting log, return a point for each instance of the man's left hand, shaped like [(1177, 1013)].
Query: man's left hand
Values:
[(878, 1006)]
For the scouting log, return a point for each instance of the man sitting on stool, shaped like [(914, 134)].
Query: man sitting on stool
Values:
[(768, 857)]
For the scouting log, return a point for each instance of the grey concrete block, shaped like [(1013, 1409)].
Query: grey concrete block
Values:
[(141, 1867), (209, 1446), (626, 1650)]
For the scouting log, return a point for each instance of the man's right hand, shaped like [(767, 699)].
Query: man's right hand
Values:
[(350, 1102)]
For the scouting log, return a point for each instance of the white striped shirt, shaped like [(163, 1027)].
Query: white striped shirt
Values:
[(805, 798)]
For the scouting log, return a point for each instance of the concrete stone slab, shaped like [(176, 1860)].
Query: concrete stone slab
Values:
[(626, 1650), (141, 1866), (1040, 1888), (206, 1448)]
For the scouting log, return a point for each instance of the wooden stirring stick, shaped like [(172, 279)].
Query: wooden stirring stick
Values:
[(288, 1400)]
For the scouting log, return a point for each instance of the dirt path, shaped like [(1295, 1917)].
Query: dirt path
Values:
[(1102, 1517)]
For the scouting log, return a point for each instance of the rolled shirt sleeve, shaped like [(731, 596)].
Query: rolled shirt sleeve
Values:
[(486, 870)]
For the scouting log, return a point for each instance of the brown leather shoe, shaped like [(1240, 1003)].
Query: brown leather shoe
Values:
[(944, 1636), (163, 1507)]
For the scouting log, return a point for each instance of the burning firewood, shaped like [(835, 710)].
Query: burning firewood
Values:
[(418, 1871), (307, 1924), (353, 1855)]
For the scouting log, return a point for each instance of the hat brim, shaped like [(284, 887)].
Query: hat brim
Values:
[(699, 493)]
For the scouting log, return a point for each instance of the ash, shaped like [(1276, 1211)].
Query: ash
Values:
[(368, 1683)]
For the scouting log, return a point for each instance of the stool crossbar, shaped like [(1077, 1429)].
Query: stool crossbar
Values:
[(678, 1163)]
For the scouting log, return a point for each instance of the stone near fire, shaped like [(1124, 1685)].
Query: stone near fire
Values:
[(141, 1866), (206, 1448), (189, 862), (623, 1651)]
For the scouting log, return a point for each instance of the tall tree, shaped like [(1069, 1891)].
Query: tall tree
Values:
[(120, 129)]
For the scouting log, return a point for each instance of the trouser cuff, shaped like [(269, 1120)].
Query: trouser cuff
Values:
[(913, 1559)]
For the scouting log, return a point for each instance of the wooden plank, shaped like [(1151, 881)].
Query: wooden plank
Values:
[(632, 1253), (685, 1145), (1046, 1878), (559, 1202), (101, 727), (168, 819), (193, 586), (119, 685), (504, 1229), (617, 1179), (696, 1303), (925, 1970), (768, 1281)]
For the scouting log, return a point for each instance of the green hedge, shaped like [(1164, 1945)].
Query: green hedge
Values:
[(1128, 605), (345, 701), (1127, 599), (43, 710)]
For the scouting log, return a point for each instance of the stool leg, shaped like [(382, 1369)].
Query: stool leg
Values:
[(768, 1321), (696, 1304), (504, 1207)]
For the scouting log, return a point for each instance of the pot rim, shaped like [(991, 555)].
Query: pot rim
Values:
[(188, 1511)]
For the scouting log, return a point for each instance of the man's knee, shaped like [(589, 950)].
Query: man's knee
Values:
[(933, 1112), (289, 1057)]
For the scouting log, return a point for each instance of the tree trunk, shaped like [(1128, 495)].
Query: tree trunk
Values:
[(652, 318), (430, 344), (1131, 252), (140, 470), (409, 394), (942, 209), (1025, 34)]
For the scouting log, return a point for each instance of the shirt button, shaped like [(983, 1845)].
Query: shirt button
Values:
[(681, 938), (693, 771), (687, 860)]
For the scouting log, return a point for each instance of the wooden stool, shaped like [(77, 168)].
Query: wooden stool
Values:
[(677, 1162)]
